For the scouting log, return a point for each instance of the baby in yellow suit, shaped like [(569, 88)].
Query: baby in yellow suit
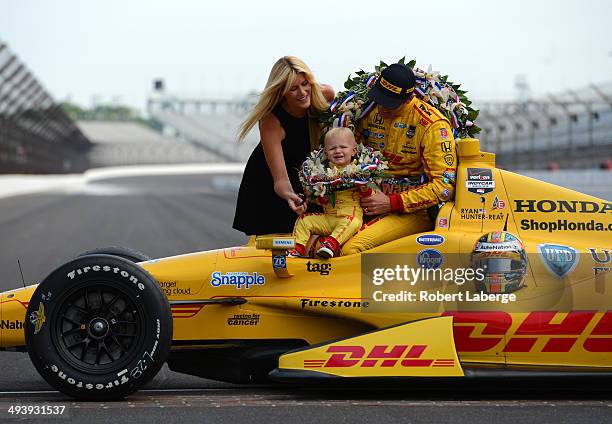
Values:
[(340, 222)]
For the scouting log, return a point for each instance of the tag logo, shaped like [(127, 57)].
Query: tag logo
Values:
[(559, 260)]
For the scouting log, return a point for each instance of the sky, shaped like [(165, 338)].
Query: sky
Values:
[(110, 51)]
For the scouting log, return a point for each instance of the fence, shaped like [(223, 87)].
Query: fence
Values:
[(36, 135)]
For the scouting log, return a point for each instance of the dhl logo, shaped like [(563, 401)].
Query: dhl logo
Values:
[(379, 356), (484, 331)]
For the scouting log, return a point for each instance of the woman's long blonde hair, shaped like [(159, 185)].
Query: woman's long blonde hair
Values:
[(282, 76)]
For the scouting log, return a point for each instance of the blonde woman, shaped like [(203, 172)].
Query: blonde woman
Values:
[(268, 199)]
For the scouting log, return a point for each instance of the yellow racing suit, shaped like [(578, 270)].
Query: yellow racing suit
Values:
[(340, 221), (420, 148)]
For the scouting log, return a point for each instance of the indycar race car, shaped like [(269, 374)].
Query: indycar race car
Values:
[(534, 297)]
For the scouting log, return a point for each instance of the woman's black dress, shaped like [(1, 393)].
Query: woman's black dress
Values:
[(259, 210)]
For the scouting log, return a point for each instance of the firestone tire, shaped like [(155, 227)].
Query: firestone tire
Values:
[(98, 328), (131, 255)]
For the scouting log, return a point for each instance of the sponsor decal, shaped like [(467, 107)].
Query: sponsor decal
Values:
[(602, 257), (401, 125), (170, 288), (561, 206), (420, 204), (378, 119), (430, 259), (336, 303), (344, 356), (411, 131), (443, 133), (238, 279), (105, 268), (244, 319), (321, 268), (498, 204), (506, 246), (445, 194), (443, 222), (121, 379), (424, 122), (37, 318), (283, 243), (449, 159), (479, 180), (391, 87), (558, 259), (424, 109), (377, 135), (480, 214), (563, 225), (446, 146), (6, 324), (553, 329), (430, 239), (381, 145), (409, 149), (450, 175), (279, 261), (378, 127)]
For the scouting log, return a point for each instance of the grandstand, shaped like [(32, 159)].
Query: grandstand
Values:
[(210, 123), (572, 129), (36, 135), (568, 130), (130, 143)]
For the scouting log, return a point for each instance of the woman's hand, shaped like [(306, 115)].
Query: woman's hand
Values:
[(284, 189), (296, 203)]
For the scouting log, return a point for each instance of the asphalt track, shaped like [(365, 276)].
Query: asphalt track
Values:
[(168, 215)]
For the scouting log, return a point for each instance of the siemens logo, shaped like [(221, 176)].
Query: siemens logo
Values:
[(561, 206)]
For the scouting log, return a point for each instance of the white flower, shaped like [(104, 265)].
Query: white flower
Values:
[(319, 189), (432, 75)]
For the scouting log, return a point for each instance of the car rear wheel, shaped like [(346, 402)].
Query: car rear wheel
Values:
[(98, 328)]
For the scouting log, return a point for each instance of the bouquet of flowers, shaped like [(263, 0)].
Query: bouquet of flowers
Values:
[(322, 179), (352, 104)]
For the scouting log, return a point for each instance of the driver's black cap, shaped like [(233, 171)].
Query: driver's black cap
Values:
[(393, 87)]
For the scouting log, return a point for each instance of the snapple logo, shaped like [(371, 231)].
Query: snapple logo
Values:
[(241, 280)]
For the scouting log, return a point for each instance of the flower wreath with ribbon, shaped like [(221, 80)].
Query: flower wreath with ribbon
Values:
[(353, 104), (320, 178)]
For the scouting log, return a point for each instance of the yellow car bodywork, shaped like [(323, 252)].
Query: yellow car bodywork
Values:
[(556, 323)]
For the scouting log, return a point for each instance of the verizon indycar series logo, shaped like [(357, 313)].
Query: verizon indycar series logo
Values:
[(480, 180)]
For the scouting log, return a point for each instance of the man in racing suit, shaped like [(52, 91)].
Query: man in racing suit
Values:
[(418, 142)]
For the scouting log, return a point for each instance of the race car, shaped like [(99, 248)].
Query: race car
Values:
[(539, 301)]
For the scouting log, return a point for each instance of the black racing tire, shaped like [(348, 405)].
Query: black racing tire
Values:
[(98, 328), (131, 255)]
